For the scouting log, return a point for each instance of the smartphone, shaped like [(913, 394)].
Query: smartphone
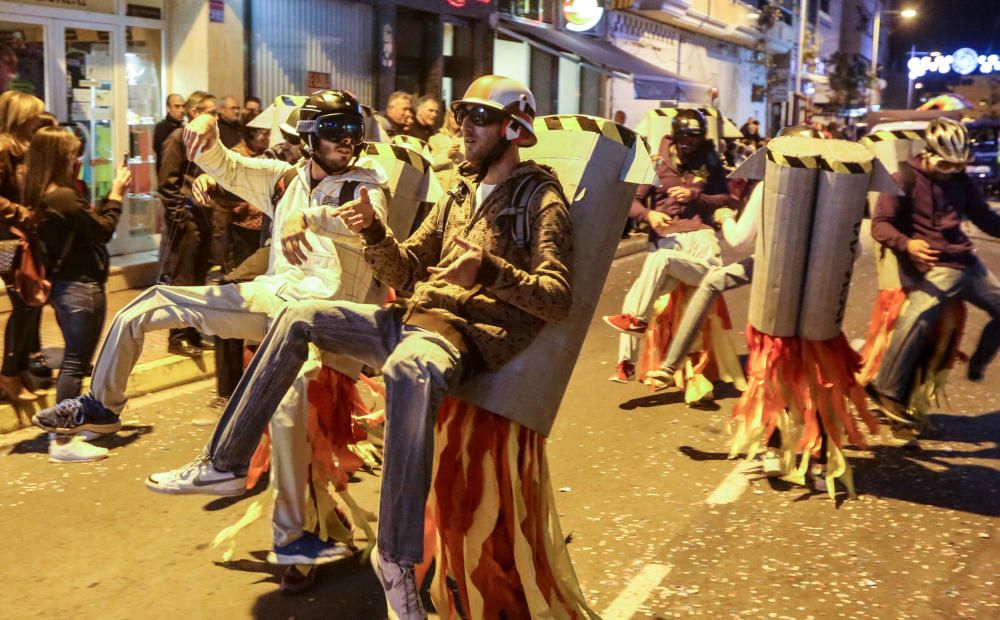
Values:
[(125, 159)]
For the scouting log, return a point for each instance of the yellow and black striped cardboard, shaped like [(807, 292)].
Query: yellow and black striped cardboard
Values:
[(276, 114), (599, 165), (411, 182)]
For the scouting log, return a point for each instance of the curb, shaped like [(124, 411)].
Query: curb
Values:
[(154, 376)]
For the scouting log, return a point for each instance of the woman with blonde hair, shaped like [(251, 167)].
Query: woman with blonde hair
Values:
[(77, 262), (20, 116)]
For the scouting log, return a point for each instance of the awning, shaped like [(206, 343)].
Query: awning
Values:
[(651, 82)]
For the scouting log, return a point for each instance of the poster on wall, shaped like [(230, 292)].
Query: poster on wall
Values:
[(216, 11)]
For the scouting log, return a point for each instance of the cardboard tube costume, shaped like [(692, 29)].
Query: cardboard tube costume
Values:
[(801, 371), (491, 512), (894, 149), (275, 114), (339, 421)]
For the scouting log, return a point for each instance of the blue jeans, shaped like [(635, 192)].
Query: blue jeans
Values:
[(976, 285), (80, 310), (419, 368)]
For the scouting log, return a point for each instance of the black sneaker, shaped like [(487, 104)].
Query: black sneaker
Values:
[(184, 349), (73, 415)]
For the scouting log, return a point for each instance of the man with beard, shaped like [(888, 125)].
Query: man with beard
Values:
[(923, 228), (683, 246), (479, 294)]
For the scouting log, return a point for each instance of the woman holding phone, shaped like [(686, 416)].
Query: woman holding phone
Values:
[(77, 262)]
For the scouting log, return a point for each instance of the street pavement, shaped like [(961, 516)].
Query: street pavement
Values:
[(633, 471)]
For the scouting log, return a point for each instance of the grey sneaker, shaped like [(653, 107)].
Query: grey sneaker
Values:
[(402, 596), (198, 477)]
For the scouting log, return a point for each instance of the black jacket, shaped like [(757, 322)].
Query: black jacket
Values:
[(86, 260), (161, 132)]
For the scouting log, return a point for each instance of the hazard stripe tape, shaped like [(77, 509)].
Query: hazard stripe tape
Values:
[(576, 122), (791, 161), (818, 162), (896, 134), (402, 153)]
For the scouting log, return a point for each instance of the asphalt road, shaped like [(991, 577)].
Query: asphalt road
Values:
[(634, 471)]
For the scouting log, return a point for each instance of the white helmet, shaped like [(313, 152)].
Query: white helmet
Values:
[(949, 140), (508, 96)]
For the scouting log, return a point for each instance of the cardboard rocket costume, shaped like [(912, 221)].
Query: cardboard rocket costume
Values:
[(894, 149), (339, 420), (658, 123), (801, 370), (491, 513)]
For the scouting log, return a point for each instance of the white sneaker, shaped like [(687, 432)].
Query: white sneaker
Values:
[(772, 464), (76, 450), (402, 596), (198, 477)]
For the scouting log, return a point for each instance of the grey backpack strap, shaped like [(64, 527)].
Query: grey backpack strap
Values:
[(524, 196)]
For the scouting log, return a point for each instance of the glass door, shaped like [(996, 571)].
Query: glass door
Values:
[(23, 65)]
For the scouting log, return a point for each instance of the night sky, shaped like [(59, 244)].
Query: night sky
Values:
[(946, 25)]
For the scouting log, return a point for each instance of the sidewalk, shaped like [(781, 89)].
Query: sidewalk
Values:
[(156, 369)]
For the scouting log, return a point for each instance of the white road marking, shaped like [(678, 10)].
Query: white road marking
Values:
[(636, 592), (734, 484)]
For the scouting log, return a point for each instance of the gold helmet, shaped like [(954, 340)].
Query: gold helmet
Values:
[(494, 98)]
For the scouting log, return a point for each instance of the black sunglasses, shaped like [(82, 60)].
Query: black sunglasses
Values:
[(479, 114), (335, 128)]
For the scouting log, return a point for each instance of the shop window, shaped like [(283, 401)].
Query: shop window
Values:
[(90, 68), (591, 91), (544, 81), (22, 58), (143, 60)]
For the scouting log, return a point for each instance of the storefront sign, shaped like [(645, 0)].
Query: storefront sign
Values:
[(98, 6), (582, 15), (139, 10), (317, 80), (216, 11)]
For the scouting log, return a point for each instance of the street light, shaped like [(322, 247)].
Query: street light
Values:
[(908, 13)]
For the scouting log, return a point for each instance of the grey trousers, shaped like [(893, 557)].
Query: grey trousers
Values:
[(974, 284), (715, 283), (419, 368)]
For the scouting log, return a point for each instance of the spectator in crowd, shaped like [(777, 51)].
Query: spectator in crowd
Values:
[(186, 246), (398, 113), (75, 237), (619, 117), (229, 122), (426, 123), (20, 116), (251, 108), (447, 150), (172, 121), (751, 130)]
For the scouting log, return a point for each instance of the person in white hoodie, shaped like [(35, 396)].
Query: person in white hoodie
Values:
[(325, 264)]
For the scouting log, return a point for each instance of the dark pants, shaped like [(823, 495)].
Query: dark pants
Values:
[(228, 365), (187, 254), (974, 284), (20, 337), (80, 310)]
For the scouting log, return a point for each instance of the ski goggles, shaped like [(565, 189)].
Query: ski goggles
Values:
[(944, 166), (478, 114), (334, 128)]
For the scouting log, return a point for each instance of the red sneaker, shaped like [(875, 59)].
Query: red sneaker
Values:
[(627, 323), (624, 373)]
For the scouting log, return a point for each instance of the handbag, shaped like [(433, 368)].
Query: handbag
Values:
[(10, 252)]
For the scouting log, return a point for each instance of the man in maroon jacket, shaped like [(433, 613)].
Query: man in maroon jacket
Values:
[(923, 228), (682, 243)]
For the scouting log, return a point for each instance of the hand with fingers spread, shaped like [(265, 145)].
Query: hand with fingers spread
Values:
[(464, 271), (357, 214), (202, 188), (294, 244), (922, 253), (200, 134)]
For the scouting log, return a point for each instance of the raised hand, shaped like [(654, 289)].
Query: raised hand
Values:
[(200, 134)]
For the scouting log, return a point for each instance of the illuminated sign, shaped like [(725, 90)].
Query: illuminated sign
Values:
[(582, 15), (460, 4), (964, 61)]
